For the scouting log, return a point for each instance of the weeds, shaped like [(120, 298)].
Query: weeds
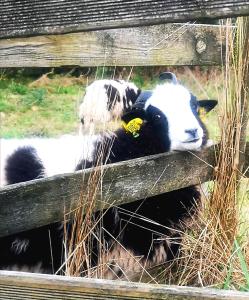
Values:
[(17, 88), (210, 253), (43, 107)]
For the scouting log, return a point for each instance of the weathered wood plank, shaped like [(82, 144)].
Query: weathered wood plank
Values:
[(176, 44), (246, 161), (19, 285), (44, 201), (32, 17)]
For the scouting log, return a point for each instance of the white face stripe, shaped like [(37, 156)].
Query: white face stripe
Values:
[(173, 100)]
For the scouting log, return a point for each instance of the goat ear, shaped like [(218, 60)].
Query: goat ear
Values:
[(132, 95), (168, 76), (207, 105), (133, 114), (133, 120)]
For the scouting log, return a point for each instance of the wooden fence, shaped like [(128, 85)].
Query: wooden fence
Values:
[(38, 286), (89, 33), (180, 44), (43, 201)]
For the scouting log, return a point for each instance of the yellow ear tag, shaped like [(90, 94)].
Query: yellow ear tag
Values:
[(202, 113), (133, 126)]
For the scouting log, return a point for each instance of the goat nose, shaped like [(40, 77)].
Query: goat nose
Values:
[(192, 132)]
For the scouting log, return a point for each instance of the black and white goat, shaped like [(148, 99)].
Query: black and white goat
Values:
[(106, 100), (138, 233)]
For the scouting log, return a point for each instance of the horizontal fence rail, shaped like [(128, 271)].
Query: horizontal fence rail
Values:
[(174, 44), (19, 285), (44, 201), (32, 17)]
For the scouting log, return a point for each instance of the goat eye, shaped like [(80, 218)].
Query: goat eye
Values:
[(157, 117)]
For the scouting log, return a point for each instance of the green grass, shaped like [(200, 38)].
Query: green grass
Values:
[(49, 106), (243, 265), (46, 110), (229, 283)]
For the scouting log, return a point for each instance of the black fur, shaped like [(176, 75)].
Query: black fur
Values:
[(124, 222), (23, 165), (142, 98), (113, 96), (131, 95), (168, 210), (42, 244), (168, 76), (124, 146), (208, 105)]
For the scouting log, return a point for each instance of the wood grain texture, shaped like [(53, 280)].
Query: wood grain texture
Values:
[(18, 285), (246, 161), (175, 44), (35, 203), (33, 17)]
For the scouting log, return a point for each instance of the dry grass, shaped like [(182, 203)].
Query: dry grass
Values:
[(206, 258), (84, 238), (85, 228), (210, 254), (46, 81), (209, 251)]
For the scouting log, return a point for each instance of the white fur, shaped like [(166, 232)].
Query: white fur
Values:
[(18, 246), (58, 155), (174, 101), (94, 110), (61, 155)]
